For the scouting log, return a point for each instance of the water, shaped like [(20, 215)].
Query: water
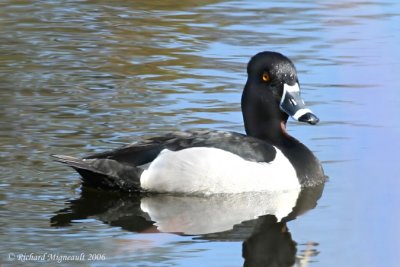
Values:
[(84, 76)]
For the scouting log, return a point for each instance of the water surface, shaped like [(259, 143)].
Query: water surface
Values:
[(84, 76)]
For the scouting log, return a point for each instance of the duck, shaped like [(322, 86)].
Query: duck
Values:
[(207, 161)]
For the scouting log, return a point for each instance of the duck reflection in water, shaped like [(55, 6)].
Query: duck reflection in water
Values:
[(259, 220)]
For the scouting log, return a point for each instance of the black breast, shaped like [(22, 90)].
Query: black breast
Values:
[(307, 166)]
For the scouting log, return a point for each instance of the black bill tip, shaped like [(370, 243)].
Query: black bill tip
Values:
[(309, 118)]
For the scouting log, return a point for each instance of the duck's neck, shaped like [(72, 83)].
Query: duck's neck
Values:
[(272, 129), (264, 122), (273, 132)]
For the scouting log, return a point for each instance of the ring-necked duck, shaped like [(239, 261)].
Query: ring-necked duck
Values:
[(197, 162)]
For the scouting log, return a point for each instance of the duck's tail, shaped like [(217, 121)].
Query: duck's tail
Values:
[(104, 173)]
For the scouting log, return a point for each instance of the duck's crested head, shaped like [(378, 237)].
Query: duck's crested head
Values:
[(272, 92), (278, 67)]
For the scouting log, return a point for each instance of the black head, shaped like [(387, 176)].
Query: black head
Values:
[(271, 95)]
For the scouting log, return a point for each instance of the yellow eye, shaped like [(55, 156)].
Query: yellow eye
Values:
[(265, 76)]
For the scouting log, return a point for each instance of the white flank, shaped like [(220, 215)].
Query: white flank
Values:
[(203, 170)]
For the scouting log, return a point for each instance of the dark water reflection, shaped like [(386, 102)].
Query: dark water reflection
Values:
[(259, 220), (79, 77)]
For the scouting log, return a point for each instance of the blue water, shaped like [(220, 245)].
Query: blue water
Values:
[(85, 76)]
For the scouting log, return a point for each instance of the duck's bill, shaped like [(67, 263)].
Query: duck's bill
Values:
[(294, 106)]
